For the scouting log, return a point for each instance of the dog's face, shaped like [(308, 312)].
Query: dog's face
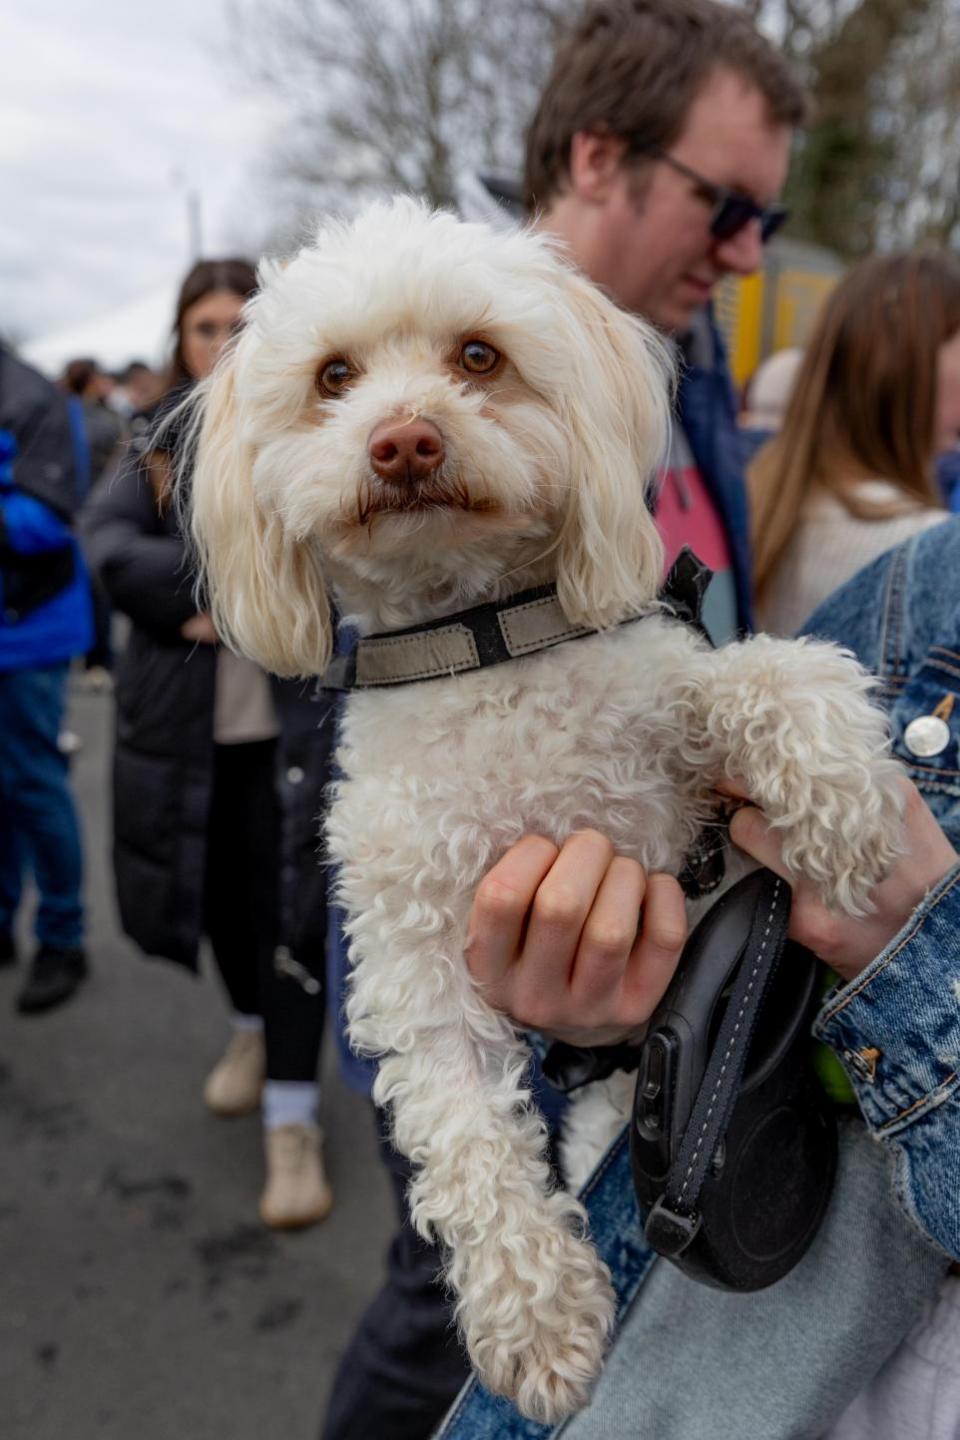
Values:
[(400, 385), (421, 404)]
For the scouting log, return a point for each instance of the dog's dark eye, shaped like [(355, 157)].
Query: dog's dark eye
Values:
[(334, 377), (479, 358)]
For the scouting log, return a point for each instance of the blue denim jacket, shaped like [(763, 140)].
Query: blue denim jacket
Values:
[(691, 1363)]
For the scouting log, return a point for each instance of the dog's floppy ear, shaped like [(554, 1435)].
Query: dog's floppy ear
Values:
[(264, 587), (618, 410)]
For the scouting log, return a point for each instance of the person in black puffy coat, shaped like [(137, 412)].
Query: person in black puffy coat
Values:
[(218, 779)]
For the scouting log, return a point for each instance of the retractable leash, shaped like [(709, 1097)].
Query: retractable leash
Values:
[(733, 1143)]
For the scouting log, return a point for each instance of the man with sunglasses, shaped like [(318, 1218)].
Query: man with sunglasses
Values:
[(657, 154)]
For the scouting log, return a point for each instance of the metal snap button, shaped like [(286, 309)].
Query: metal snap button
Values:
[(295, 775), (927, 735)]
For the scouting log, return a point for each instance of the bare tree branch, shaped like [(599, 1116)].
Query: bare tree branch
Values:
[(380, 96)]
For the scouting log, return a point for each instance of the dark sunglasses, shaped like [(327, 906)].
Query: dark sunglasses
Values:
[(732, 210)]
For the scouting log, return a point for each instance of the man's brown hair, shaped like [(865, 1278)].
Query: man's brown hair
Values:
[(634, 68), (863, 404)]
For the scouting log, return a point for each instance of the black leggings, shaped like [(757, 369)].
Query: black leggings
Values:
[(280, 977)]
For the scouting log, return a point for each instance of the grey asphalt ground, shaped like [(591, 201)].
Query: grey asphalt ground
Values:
[(140, 1297)]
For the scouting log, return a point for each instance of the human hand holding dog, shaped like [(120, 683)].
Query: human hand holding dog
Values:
[(581, 944), (849, 945), (577, 942)]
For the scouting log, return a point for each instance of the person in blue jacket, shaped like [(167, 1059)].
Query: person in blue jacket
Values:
[(45, 620)]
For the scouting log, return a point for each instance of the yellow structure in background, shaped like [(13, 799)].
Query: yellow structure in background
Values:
[(776, 307), (739, 311)]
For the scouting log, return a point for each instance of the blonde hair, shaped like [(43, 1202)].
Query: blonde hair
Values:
[(864, 402)]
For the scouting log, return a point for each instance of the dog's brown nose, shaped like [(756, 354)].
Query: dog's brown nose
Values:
[(405, 449)]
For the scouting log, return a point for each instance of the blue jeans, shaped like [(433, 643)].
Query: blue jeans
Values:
[(38, 822)]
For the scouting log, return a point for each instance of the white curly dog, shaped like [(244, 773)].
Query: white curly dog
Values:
[(418, 416)]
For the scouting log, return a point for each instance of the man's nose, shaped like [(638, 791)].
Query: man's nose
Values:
[(405, 449), (743, 252)]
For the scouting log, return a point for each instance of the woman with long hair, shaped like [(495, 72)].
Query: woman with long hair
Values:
[(851, 472), (218, 776)]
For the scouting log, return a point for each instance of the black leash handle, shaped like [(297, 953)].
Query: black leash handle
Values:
[(673, 1222)]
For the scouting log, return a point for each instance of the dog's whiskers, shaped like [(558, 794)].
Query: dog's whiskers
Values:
[(439, 493)]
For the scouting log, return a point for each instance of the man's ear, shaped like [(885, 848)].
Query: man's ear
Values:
[(595, 162)]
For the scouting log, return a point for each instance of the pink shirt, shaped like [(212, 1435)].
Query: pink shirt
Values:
[(686, 515)]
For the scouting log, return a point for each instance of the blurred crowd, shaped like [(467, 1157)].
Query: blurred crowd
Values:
[(834, 454), (217, 768)]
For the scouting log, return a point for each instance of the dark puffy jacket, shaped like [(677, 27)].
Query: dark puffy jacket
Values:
[(163, 761), (37, 416)]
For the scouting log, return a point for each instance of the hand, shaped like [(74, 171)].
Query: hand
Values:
[(847, 945), (199, 629), (579, 943)]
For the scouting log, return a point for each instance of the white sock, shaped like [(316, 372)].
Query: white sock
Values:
[(289, 1102), (239, 1021)]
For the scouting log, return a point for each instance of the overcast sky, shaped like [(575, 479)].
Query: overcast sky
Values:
[(109, 111)]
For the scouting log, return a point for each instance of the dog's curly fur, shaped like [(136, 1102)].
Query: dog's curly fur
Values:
[(628, 731)]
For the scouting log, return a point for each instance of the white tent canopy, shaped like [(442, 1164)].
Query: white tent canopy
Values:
[(139, 330)]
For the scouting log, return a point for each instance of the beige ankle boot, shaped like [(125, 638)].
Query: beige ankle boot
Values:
[(297, 1192), (234, 1084)]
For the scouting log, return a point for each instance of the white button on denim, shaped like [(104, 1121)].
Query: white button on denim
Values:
[(927, 735)]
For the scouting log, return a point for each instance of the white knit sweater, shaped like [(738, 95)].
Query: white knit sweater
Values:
[(828, 547)]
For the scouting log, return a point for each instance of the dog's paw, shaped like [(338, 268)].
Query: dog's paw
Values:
[(847, 843), (551, 1379), (536, 1323)]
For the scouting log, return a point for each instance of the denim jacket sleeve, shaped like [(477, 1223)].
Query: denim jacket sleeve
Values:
[(896, 1028)]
